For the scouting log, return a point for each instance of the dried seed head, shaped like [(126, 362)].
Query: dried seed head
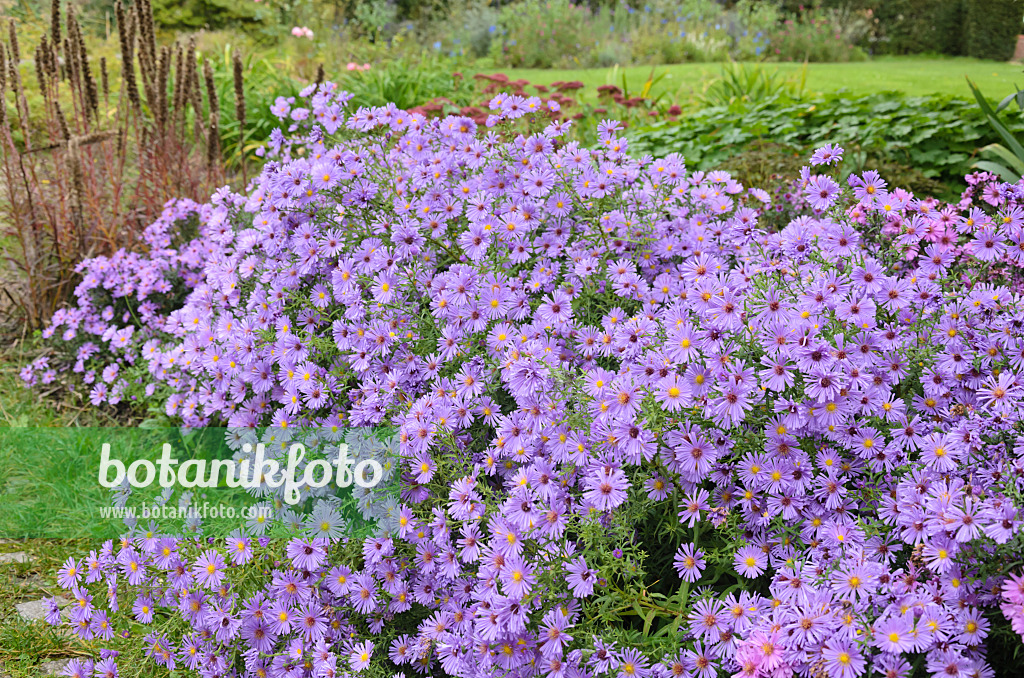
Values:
[(40, 60), (177, 102), (92, 99), (71, 65), (12, 29), (49, 58), (94, 138), (212, 144), (126, 34), (211, 89), (55, 21), (147, 33), (122, 26), (163, 73), (195, 92), (213, 130), (62, 122), (147, 57), (3, 88), (236, 62), (14, 75), (320, 74), (132, 29), (104, 79)]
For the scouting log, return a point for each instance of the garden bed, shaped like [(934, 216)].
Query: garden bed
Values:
[(646, 419)]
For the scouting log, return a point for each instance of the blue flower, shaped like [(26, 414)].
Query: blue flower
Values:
[(437, 45)]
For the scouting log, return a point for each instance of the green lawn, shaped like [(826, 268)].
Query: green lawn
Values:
[(912, 75), (24, 645)]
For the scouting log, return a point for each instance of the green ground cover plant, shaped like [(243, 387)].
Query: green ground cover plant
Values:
[(937, 136)]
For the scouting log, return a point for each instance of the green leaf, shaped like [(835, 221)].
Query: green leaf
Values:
[(1012, 162), (994, 122), (1004, 172), (648, 620)]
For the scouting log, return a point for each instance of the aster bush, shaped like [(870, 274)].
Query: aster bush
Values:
[(121, 306), (649, 423)]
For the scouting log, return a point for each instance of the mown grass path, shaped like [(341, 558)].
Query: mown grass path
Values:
[(911, 75)]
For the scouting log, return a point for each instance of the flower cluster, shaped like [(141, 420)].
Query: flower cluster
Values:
[(1013, 602), (122, 304), (791, 451)]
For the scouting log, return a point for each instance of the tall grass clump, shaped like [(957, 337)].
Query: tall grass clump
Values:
[(93, 149)]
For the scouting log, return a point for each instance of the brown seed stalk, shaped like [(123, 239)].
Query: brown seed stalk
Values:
[(236, 62), (104, 80), (12, 30), (55, 21), (3, 88), (126, 34), (213, 131), (163, 74)]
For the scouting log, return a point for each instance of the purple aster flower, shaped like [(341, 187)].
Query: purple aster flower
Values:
[(827, 155), (750, 561), (689, 562), (842, 659), (580, 578), (208, 569), (359, 657), (606, 488)]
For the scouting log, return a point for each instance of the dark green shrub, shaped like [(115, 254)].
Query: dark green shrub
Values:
[(916, 26), (209, 14), (903, 26), (827, 34), (992, 28)]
